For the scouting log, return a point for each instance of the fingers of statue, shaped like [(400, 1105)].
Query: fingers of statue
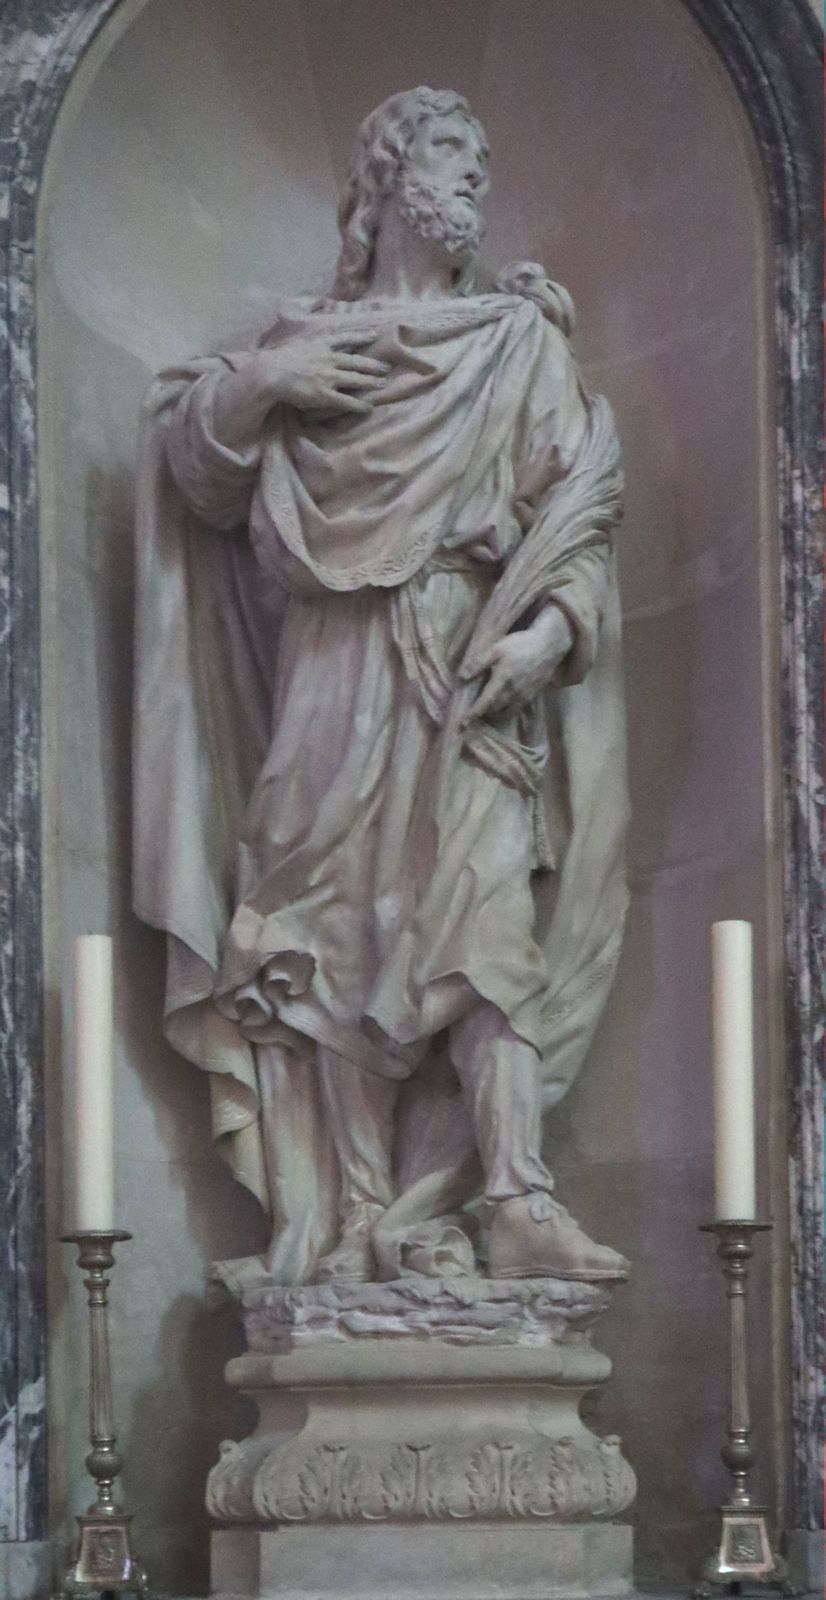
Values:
[(324, 375), (519, 667), (376, 369), (495, 693), (329, 399), (358, 380), (350, 342), (360, 373)]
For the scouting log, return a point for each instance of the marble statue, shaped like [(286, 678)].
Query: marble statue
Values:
[(379, 751)]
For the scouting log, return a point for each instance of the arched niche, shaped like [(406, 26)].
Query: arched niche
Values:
[(660, 161)]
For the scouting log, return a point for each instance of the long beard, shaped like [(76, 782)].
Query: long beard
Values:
[(457, 225)]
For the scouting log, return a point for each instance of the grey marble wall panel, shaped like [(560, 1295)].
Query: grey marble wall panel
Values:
[(40, 45), (773, 54)]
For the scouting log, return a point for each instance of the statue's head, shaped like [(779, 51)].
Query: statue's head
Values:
[(426, 153)]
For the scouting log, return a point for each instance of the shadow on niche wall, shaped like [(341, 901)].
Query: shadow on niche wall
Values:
[(173, 1435), (173, 1191), (173, 1091)]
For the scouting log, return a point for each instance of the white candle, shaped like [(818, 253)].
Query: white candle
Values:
[(94, 1208), (733, 1071)]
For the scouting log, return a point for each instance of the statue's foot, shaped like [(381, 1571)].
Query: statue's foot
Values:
[(533, 1236), (352, 1259)]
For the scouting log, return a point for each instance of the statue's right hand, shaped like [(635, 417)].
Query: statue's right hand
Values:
[(325, 375)]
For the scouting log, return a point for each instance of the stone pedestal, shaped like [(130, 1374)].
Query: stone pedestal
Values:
[(420, 1439)]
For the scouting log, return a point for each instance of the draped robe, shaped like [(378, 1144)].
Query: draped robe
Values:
[(336, 850)]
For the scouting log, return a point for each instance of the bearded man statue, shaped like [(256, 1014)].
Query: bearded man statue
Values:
[(380, 791)]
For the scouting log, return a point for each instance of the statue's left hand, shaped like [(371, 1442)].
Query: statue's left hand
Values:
[(523, 663)]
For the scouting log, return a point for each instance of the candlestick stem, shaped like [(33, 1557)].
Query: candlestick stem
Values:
[(105, 1563), (735, 1251), (745, 1555)]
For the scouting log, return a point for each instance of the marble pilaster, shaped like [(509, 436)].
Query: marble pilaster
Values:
[(764, 54), (40, 45)]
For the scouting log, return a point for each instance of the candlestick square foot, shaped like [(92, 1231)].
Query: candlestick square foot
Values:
[(420, 1440), (105, 1564), (745, 1558)]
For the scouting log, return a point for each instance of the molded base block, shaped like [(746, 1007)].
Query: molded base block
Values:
[(421, 1440), (431, 1562)]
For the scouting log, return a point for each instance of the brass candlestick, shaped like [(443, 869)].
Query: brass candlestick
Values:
[(105, 1564), (745, 1555)]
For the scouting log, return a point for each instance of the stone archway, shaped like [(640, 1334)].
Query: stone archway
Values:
[(774, 65)]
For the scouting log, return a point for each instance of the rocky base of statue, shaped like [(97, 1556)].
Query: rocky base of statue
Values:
[(420, 1438)]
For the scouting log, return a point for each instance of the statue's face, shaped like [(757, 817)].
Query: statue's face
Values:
[(448, 156), (443, 183)]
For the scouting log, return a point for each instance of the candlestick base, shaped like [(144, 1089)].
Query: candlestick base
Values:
[(104, 1564), (745, 1557)]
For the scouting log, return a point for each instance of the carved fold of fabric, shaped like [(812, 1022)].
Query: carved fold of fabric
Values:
[(418, 640), (518, 762), (576, 515), (421, 654), (255, 1005), (221, 498), (520, 766), (367, 501)]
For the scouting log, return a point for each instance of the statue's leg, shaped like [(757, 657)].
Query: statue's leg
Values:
[(499, 1074), (359, 1108), (300, 1161), (532, 1235)]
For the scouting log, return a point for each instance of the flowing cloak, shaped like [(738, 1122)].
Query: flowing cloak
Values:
[(484, 459)]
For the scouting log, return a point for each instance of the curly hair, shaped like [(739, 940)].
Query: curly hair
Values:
[(378, 156)]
